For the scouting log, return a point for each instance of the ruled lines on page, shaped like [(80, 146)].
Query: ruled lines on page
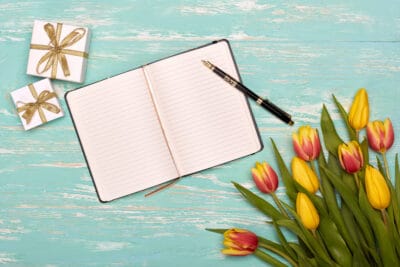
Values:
[(121, 135)]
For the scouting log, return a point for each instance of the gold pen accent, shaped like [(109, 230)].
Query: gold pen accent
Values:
[(208, 64), (259, 101)]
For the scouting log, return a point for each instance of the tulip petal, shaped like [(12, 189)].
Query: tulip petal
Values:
[(389, 134), (298, 148), (234, 252), (373, 137)]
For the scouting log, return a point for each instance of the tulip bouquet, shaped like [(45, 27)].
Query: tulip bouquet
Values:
[(342, 210)]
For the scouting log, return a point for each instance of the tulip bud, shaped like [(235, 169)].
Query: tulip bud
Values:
[(239, 242), (351, 157), (377, 190), (304, 175), (359, 111), (306, 211), (380, 135), (265, 177), (306, 143)]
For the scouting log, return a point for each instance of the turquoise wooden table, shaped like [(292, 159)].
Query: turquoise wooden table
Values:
[(295, 52)]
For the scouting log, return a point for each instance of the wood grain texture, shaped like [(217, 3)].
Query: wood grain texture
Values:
[(295, 52)]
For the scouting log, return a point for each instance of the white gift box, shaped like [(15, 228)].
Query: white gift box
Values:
[(37, 104), (58, 51)]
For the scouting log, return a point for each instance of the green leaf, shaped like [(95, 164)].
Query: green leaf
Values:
[(331, 137), (319, 251), (334, 165), (292, 226), (352, 202), (359, 260), (284, 242), (268, 258), (393, 209), (353, 228), (278, 249), (345, 117), (386, 247), (218, 231), (334, 211), (285, 174), (303, 259), (334, 242), (365, 151), (397, 180), (259, 203)]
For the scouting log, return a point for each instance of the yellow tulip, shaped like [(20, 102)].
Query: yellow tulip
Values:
[(304, 175), (377, 190), (307, 212), (359, 111)]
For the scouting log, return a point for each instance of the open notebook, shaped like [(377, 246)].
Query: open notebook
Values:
[(166, 119)]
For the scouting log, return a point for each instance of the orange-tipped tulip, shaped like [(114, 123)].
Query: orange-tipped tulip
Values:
[(377, 189), (306, 143), (307, 212), (380, 135), (265, 177), (351, 157), (304, 175), (359, 111), (239, 242)]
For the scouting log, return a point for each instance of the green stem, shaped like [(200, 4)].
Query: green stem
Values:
[(385, 162), (279, 204), (384, 216), (357, 135), (264, 256), (357, 180), (314, 233)]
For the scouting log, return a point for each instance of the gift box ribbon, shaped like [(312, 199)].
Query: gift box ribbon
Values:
[(57, 49), (30, 108)]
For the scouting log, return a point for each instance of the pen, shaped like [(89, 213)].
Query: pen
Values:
[(265, 103)]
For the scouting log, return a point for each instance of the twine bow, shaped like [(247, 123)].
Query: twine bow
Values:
[(29, 109), (57, 49)]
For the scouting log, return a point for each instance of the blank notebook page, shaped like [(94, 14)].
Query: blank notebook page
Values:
[(121, 135), (207, 121)]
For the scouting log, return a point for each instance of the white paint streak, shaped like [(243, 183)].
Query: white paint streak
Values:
[(73, 165), (110, 246), (150, 35), (224, 7), (6, 151), (6, 258), (5, 112), (79, 196)]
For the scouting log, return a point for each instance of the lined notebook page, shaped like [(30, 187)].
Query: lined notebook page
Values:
[(121, 135), (207, 121)]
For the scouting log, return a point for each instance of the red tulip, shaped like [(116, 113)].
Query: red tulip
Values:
[(351, 157), (239, 242), (306, 143), (265, 177), (380, 135)]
